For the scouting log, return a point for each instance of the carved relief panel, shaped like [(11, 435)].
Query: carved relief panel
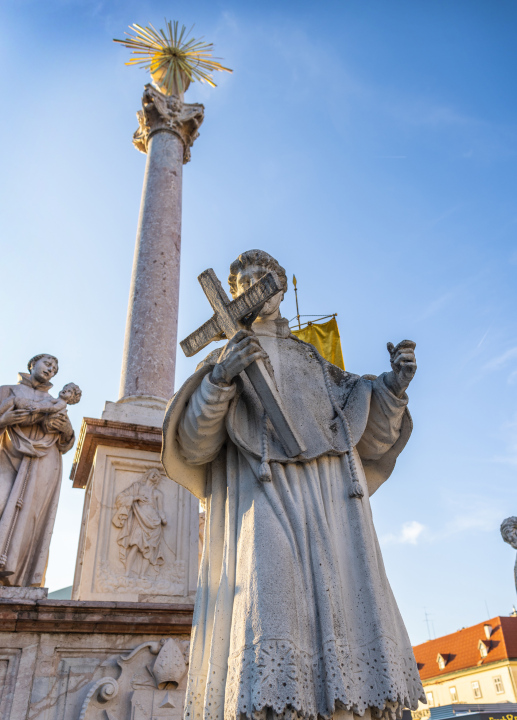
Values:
[(140, 532)]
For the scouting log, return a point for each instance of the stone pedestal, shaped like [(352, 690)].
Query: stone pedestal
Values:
[(65, 660), (112, 462)]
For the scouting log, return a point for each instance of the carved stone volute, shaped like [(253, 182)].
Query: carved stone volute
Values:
[(144, 688), (167, 113)]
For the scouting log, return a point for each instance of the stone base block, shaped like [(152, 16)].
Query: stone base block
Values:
[(64, 660), (23, 593), (140, 410), (140, 533)]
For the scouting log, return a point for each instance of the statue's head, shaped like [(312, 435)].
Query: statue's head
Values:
[(71, 393), (153, 476), (509, 531), (43, 367), (250, 267)]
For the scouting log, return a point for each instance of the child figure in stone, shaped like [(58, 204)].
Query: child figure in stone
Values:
[(69, 395)]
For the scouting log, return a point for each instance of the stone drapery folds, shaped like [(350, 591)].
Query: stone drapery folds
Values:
[(31, 445), (294, 615)]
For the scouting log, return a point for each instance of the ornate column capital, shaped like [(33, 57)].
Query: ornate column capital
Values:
[(167, 112)]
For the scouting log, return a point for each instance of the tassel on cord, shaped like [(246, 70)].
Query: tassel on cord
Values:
[(265, 469), (356, 491)]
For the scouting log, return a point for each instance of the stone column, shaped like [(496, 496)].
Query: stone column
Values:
[(119, 453), (168, 128)]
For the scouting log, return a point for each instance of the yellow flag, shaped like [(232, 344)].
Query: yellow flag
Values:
[(326, 340)]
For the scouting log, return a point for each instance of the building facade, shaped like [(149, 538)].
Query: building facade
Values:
[(477, 664)]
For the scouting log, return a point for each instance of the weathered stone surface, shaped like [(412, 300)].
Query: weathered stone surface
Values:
[(151, 330), (109, 433), (139, 410), (116, 661), (140, 532), (34, 432), (56, 616), (23, 593), (167, 113)]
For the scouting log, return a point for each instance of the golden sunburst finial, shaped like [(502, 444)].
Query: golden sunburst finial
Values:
[(173, 58)]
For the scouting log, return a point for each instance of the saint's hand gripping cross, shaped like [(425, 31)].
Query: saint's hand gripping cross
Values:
[(229, 317)]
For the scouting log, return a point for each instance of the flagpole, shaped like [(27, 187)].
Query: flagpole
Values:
[(296, 296)]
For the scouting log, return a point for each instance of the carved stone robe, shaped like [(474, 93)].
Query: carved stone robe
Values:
[(140, 521), (294, 615), (30, 466)]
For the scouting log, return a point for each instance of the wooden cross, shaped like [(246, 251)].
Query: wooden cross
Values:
[(230, 317)]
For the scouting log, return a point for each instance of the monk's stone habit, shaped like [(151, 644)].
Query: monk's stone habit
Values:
[(35, 432), (294, 615)]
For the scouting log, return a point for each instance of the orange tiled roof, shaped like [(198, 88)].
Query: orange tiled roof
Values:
[(461, 649)]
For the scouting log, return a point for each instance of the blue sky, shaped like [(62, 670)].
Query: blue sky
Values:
[(372, 148)]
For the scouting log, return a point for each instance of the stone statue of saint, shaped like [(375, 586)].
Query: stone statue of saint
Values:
[(140, 517), (34, 432), (294, 616), (509, 534)]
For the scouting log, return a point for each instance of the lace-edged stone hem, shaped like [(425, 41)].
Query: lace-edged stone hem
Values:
[(276, 676), (392, 711)]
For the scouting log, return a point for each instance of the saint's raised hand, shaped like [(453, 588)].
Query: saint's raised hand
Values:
[(403, 365), (243, 349)]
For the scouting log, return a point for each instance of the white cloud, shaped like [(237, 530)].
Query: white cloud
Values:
[(408, 535), (476, 514), (411, 531)]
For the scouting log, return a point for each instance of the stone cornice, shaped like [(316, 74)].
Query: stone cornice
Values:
[(167, 113), (74, 616), (110, 433)]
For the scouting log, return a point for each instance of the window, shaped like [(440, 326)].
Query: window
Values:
[(430, 699), (498, 685), (476, 689), (483, 650), (454, 694), (442, 660)]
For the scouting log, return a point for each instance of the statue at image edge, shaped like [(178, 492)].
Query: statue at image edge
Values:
[(294, 615), (509, 535), (34, 432)]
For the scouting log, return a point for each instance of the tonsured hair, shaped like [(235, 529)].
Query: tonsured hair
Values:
[(76, 394), (35, 359), (255, 257)]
